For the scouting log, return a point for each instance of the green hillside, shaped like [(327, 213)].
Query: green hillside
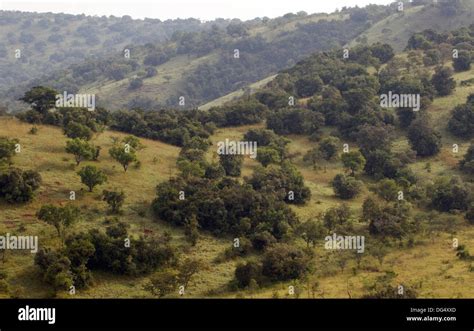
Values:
[(201, 65), (186, 58), (32, 45), (399, 27), (344, 156)]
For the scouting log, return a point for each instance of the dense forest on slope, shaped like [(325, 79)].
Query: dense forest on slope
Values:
[(197, 61), (32, 44), (147, 64)]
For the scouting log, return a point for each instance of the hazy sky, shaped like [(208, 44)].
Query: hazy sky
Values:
[(170, 9)]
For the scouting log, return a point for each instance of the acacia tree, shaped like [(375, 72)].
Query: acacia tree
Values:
[(188, 268), (7, 148), (91, 177), (81, 150), (40, 98), (354, 161), (59, 217), (114, 199), (311, 232), (123, 155), (77, 130), (163, 283)]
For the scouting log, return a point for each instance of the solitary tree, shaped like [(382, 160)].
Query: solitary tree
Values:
[(59, 217), (346, 187), (311, 232), (91, 177), (7, 148), (114, 199), (77, 130), (163, 283), (123, 155), (81, 150), (18, 186), (188, 269), (133, 142), (328, 147), (40, 98), (424, 139)]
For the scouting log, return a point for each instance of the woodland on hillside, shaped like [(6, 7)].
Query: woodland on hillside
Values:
[(137, 202)]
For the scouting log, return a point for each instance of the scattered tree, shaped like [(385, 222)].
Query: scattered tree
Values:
[(91, 177), (346, 187), (18, 186), (114, 199), (124, 157), (443, 81), (59, 217), (81, 150), (424, 139), (163, 283), (354, 161), (7, 148), (40, 98)]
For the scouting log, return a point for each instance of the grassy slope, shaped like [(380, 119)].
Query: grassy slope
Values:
[(237, 94), (171, 74), (397, 28), (432, 261), (168, 81), (45, 153)]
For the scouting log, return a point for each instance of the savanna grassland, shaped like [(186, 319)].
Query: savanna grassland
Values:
[(135, 198), (431, 263)]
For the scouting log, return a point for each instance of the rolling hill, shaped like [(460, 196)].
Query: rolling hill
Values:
[(201, 65), (33, 44), (424, 259), (397, 28)]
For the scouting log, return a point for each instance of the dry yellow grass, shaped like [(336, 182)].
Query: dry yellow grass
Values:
[(45, 153), (431, 262)]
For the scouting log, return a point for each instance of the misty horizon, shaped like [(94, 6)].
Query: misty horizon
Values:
[(185, 9)]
